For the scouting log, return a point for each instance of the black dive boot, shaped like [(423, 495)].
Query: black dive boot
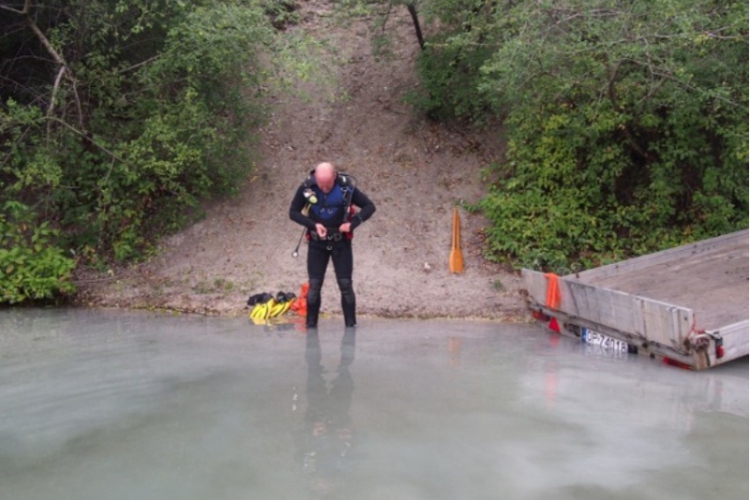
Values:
[(313, 303), (348, 301), (312, 318), (312, 315), (349, 306)]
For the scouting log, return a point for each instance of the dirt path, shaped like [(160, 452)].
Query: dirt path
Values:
[(415, 172)]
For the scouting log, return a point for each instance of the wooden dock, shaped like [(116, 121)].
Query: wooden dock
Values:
[(687, 304)]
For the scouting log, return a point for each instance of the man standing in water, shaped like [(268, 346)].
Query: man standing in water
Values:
[(324, 205)]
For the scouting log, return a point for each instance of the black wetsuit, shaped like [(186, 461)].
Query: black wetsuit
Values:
[(331, 210)]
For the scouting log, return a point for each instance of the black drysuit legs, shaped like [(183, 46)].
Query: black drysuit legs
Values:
[(318, 254)]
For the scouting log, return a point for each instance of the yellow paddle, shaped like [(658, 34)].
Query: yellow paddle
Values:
[(456, 258)]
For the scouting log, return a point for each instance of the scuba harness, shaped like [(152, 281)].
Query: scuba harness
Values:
[(346, 183)]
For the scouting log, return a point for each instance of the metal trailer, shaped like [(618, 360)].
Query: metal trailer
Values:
[(687, 305)]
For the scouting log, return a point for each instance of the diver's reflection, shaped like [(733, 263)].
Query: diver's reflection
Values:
[(327, 439)]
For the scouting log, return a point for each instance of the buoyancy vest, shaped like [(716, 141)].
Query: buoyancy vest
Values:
[(333, 208)]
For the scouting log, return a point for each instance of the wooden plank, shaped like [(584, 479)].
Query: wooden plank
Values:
[(693, 249)]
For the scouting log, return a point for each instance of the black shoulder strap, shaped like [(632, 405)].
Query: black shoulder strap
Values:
[(346, 181), (348, 184)]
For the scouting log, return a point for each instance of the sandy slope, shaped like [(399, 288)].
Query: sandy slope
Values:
[(415, 171)]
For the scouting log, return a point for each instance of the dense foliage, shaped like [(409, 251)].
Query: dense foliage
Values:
[(626, 121), (32, 267), (115, 117)]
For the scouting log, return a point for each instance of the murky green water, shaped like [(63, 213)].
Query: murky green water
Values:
[(112, 405)]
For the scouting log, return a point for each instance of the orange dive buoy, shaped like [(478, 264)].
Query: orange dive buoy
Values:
[(300, 305)]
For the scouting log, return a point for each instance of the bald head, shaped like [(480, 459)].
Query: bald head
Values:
[(325, 176)]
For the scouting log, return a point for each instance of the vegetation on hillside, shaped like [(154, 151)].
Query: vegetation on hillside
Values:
[(626, 121), (115, 118)]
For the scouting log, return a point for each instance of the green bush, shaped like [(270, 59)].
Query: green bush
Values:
[(449, 79), (151, 115), (626, 125), (32, 266), (627, 134)]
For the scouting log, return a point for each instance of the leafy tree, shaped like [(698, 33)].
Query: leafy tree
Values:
[(626, 121), (627, 127), (116, 116)]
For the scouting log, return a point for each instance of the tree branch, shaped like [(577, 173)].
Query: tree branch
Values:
[(137, 65), (55, 89), (78, 98), (684, 84), (86, 136), (53, 97), (45, 41), (65, 69), (412, 8), (25, 11)]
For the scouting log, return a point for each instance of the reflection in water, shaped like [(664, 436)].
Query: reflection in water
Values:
[(131, 405), (565, 370), (454, 349), (325, 443)]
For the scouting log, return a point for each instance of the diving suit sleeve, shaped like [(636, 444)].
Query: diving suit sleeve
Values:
[(295, 210), (366, 208)]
